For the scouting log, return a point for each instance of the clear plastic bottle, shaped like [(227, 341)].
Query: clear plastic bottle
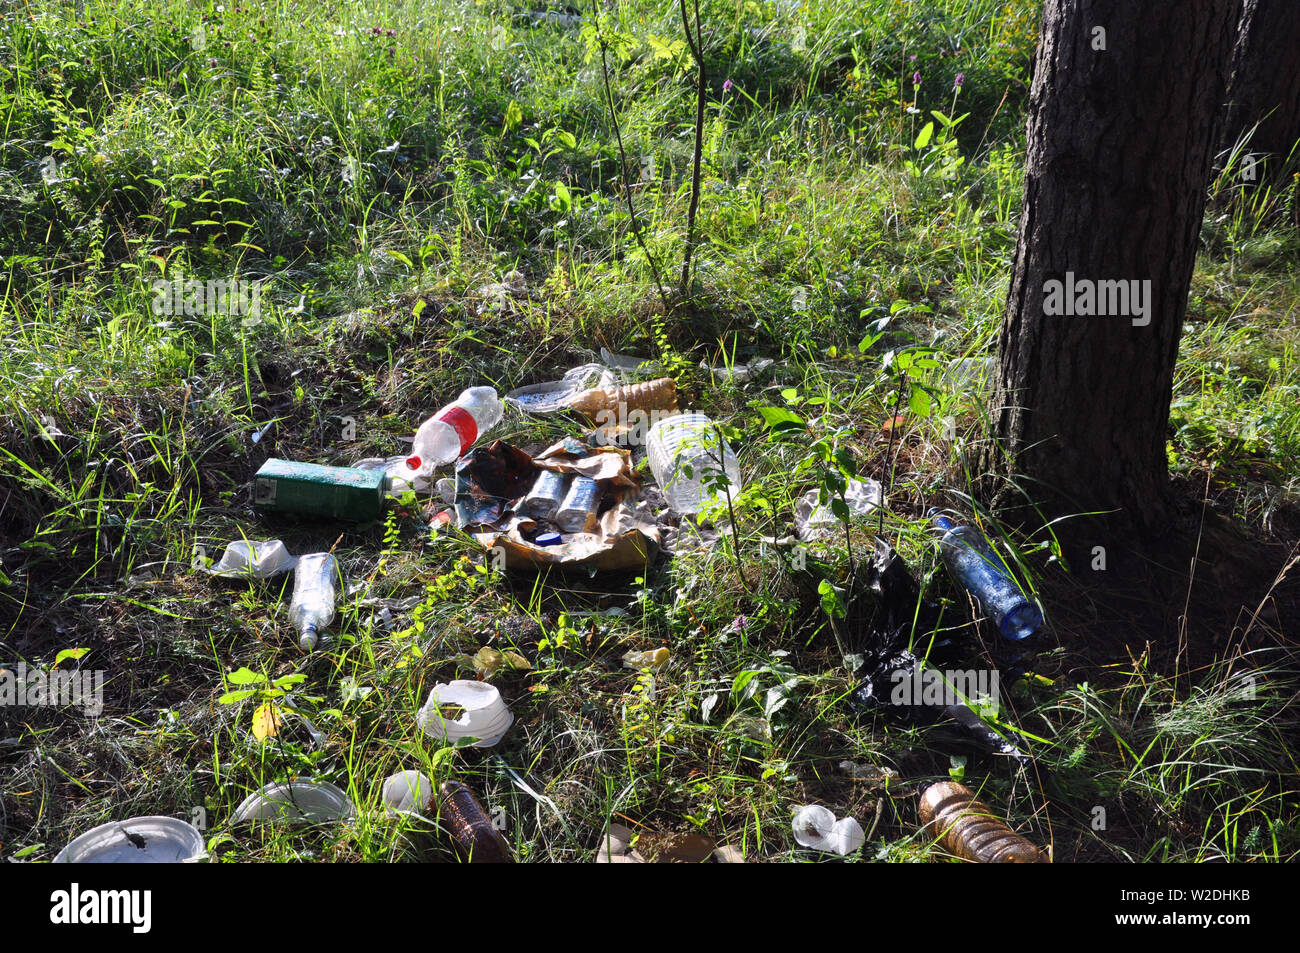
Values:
[(975, 565), (312, 608), (452, 431), (686, 458)]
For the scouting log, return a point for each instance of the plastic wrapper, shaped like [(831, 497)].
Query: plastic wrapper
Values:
[(255, 559), (551, 396), (812, 521), (816, 827)]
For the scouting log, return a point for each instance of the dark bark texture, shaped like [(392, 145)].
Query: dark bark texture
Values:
[(1120, 145), (1265, 84)]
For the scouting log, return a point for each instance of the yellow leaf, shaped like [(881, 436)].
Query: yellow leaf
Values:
[(266, 722)]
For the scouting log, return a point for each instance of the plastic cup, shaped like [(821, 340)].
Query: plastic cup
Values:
[(485, 717)]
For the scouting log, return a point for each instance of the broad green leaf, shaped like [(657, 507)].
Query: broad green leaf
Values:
[(245, 676), (832, 604), (923, 138), (562, 200), (514, 116), (69, 654), (778, 418)]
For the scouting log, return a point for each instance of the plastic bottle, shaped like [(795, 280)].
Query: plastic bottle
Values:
[(312, 608), (475, 836), (452, 431), (982, 572), (688, 442), (660, 394), (966, 827)]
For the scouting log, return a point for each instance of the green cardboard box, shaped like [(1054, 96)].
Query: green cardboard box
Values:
[(345, 493)]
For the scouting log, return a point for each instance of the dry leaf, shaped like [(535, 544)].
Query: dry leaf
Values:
[(486, 661)]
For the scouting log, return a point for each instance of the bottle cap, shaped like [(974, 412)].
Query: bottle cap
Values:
[(413, 462), (940, 521)]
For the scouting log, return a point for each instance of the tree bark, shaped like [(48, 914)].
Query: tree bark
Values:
[(1120, 144), (1265, 85)]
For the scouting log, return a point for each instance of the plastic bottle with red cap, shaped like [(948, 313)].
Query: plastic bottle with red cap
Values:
[(450, 432)]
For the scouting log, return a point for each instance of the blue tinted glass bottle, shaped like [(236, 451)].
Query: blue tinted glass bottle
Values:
[(982, 572)]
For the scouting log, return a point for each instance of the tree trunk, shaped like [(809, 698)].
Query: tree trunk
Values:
[(1123, 112), (1265, 85)]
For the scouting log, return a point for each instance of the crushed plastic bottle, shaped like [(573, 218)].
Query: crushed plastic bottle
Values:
[(966, 827), (450, 432), (612, 402), (685, 458), (476, 838), (312, 608), (982, 572)]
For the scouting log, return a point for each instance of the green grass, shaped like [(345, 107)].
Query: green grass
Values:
[(377, 166)]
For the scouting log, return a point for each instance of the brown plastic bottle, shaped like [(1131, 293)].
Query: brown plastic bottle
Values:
[(659, 394), (966, 827), (475, 836)]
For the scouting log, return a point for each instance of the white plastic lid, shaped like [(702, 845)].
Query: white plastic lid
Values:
[(296, 803), (137, 840)]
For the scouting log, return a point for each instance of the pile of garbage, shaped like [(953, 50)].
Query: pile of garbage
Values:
[(578, 505)]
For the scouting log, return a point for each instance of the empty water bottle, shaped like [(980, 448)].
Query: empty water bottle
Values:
[(312, 608), (966, 827), (450, 432), (687, 458), (982, 572)]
